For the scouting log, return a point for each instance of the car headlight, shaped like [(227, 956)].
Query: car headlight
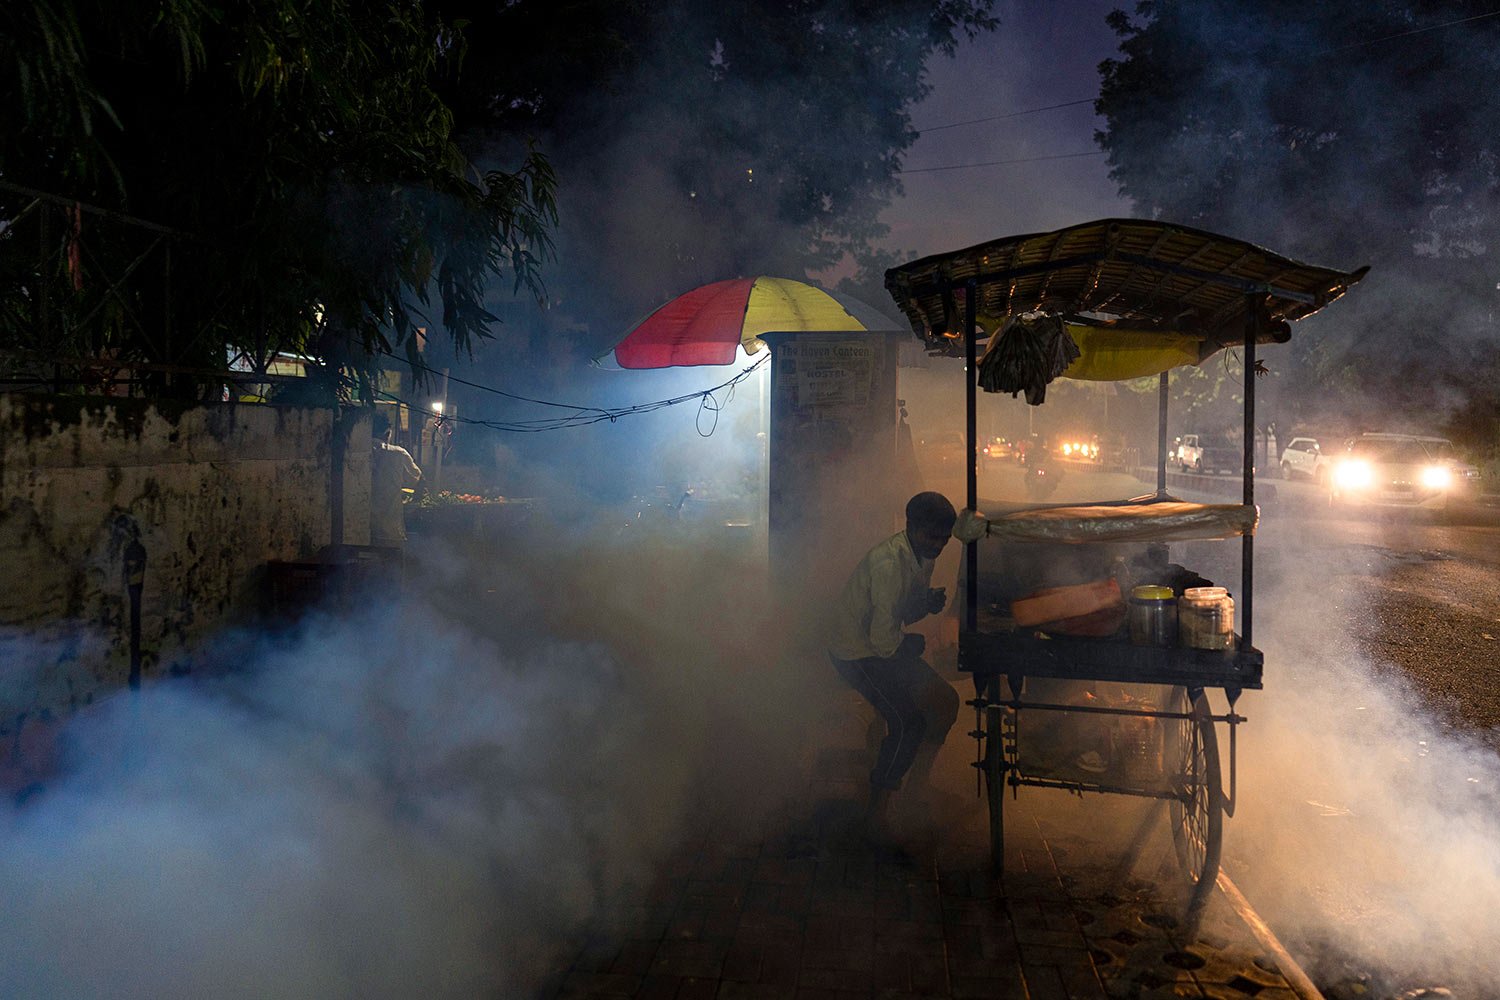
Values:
[(1067, 449), (1436, 477), (1354, 474)]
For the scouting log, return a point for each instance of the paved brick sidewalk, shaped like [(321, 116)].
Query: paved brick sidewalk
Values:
[(812, 912)]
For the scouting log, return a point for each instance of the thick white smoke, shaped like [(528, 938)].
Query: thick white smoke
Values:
[(1370, 829), (428, 798)]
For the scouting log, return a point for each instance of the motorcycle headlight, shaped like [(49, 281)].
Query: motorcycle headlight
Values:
[(1436, 477), (1354, 474)]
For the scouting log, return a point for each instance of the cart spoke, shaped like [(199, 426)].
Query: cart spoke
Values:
[(1197, 812)]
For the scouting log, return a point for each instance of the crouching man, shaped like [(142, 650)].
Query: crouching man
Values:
[(889, 590)]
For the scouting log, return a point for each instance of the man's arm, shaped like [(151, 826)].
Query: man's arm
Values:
[(413, 472)]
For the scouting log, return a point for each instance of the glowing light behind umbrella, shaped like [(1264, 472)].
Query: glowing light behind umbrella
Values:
[(706, 325)]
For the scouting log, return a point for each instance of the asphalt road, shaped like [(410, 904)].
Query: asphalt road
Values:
[(1417, 592), (1426, 601)]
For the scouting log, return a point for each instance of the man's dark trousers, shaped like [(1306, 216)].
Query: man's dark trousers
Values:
[(918, 707)]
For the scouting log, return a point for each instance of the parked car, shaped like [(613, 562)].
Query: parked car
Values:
[(1468, 479), (1303, 458), (942, 450), (1208, 453), (1400, 470), (994, 451)]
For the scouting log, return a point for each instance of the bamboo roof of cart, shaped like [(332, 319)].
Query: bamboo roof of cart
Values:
[(1146, 274)]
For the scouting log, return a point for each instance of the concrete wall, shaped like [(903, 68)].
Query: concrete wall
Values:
[(211, 493)]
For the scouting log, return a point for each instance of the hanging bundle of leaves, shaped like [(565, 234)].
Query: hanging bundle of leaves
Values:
[(1030, 351)]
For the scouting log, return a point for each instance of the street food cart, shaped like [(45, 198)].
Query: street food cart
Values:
[(1115, 299)]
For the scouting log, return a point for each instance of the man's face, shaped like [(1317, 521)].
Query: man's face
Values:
[(926, 541)]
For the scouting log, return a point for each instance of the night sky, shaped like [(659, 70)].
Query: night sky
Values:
[(1043, 54)]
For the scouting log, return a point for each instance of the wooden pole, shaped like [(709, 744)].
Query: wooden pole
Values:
[(1254, 320), (1161, 435), (971, 380)]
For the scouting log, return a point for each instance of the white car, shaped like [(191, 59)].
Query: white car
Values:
[(1466, 479), (1303, 458), (1208, 453), (1398, 470)]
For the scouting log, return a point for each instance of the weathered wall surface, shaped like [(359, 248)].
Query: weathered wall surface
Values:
[(211, 493)]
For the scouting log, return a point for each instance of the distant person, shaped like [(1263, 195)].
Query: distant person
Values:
[(908, 472), (889, 590), (391, 471)]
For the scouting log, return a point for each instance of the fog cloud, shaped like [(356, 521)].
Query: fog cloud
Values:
[(429, 797)]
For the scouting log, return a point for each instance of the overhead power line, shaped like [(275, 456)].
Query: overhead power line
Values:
[(490, 388), (998, 163), (1052, 107), (1010, 114), (1407, 34), (1091, 100)]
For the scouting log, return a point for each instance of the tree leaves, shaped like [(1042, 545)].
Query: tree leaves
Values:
[(696, 141), (302, 146), (352, 172), (1342, 133)]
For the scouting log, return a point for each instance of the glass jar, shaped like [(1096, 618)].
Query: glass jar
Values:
[(1206, 618), (1153, 615)]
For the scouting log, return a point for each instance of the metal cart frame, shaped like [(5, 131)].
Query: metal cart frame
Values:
[(1140, 270)]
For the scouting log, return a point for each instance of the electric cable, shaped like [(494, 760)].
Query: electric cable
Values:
[(1089, 100), (1405, 34), (707, 402), (997, 163), (1011, 114), (488, 388)]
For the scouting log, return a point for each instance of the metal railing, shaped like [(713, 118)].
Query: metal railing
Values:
[(87, 294)]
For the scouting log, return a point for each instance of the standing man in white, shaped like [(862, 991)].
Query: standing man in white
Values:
[(391, 471)]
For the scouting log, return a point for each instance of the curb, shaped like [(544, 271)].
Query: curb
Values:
[(1299, 981), (1231, 486)]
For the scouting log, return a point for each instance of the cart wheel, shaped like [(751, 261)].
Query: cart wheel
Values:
[(1197, 814)]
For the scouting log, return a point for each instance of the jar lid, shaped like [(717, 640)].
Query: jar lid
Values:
[(1205, 593), (1151, 592)]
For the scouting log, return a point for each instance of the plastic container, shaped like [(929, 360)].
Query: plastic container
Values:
[(1153, 615), (1138, 746), (1206, 618)]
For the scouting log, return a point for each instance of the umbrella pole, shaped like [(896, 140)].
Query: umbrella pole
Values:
[(763, 423)]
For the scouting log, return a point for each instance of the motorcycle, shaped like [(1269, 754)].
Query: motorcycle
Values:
[(1041, 481)]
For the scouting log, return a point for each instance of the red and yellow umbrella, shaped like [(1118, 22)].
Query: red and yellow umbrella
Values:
[(708, 324)]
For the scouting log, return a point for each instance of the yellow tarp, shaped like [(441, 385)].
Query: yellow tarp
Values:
[(1109, 355)]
